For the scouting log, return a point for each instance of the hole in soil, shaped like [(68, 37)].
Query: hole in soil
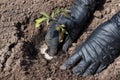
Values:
[(29, 55), (31, 50)]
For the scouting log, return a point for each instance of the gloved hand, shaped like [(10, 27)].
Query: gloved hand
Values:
[(75, 22), (98, 51)]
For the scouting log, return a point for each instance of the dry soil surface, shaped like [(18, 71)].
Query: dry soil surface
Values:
[(20, 58)]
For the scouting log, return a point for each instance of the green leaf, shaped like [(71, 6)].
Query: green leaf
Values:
[(61, 41), (37, 25), (52, 14), (58, 28), (63, 30), (40, 20), (45, 14), (63, 26), (67, 11), (66, 32), (47, 22), (57, 11), (66, 15)]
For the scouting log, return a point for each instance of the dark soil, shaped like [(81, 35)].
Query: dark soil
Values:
[(20, 58)]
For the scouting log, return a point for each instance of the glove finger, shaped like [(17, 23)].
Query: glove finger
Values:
[(67, 44), (91, 69), (81, 67), (71, 61), (101, 68), (52, 38), (52, 45), (53, 51)]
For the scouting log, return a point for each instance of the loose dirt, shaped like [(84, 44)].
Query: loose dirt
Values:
[(20, 41)]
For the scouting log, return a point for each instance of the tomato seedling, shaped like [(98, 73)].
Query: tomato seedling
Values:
[(62, 32), (48, 17)]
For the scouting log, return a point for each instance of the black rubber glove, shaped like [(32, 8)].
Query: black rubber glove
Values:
[(75, 22), (98, 51)]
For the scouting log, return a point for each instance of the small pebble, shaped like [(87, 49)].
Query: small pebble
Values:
[(98, 14), (107, 10)]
